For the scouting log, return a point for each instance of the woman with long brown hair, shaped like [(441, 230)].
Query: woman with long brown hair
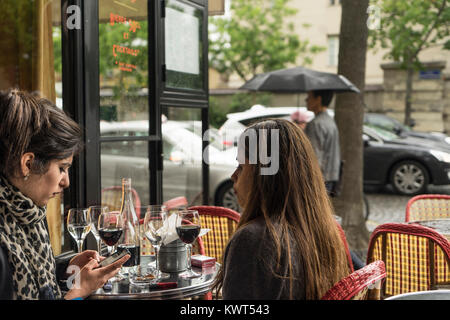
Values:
[(286, 245)]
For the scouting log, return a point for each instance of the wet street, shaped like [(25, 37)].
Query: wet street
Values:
[(385, 206)]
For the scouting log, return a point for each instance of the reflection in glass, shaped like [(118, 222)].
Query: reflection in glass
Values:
[(123, 52), (182, 149), (124, 159)]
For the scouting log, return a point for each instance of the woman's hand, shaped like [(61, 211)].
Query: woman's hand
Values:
[(91, 277), (84, 257)]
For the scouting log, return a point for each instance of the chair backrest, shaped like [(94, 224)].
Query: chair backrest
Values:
[(112, 197), (428, 207), (222, 222), (362, 284), (176, 203), (416, 257), (347, 250)]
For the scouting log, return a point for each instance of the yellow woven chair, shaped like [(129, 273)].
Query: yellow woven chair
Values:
[(416, 257), (222, 222), (428, 207)]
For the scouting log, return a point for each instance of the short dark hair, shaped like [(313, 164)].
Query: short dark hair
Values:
[(326, 95), (33, 124)]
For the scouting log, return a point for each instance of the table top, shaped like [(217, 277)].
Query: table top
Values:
[(440, 225), (423, 295), (185, 287)]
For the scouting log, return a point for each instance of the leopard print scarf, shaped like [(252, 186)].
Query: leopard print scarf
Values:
[(25, 240)]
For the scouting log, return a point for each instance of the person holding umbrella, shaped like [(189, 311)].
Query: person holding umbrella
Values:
[(324, 137)]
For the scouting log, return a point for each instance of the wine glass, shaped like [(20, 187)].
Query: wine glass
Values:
[(155, 231), (110, 228), (188, 228), (95, 213), (79, 225)]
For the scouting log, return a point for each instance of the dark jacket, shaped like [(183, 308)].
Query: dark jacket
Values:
[(249, 263), (6, 286)]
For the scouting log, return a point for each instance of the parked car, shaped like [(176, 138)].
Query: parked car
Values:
[(238, 121), (390, 124), (182, 173), (408, 163)]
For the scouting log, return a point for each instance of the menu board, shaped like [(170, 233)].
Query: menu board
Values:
[(184, 43)]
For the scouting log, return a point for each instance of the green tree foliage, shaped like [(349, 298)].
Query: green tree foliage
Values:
[(407, 28), (257, 37)]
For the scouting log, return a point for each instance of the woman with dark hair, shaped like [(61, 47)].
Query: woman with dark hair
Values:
[(286, 245), (37, 144)]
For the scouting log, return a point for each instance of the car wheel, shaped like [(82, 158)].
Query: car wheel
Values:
[(409, 178), (225, 197)]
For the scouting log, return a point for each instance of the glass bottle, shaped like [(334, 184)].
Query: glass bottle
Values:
[(130, 239)]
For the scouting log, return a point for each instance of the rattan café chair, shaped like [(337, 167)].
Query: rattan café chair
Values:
[(222, 222), (416, 257), (363, 284), (428, 207)]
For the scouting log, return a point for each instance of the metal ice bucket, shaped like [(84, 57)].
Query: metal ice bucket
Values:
[(173, 257)]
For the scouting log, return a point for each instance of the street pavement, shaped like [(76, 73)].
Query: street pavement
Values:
[(386, 206)]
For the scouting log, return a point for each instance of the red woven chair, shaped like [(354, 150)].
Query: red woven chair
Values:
[(176, 203), (428, 207), (222, 222), (363, 284), (416, 257), (347, 251)]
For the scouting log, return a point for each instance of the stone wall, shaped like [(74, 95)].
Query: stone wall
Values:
[(428, 101)]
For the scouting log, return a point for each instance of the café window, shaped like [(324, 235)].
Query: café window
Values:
[(124, 107)]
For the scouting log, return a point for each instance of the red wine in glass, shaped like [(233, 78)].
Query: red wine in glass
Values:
[(188, 233), (110, 236)]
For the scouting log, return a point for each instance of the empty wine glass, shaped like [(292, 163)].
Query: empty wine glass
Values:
[(79, 225), (154, 230), (95, 213), (188, 228), (110, 228)]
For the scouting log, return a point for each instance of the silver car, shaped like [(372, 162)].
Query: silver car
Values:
[(182, 167)]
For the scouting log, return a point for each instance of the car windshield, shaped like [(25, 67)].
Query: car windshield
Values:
[(385, 122), (384, 134)]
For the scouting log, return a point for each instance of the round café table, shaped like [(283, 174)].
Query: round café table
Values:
[(423, 295), (186, 288), (440, 225)]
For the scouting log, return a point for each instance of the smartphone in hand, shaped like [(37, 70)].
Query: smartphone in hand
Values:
[(114, 257)]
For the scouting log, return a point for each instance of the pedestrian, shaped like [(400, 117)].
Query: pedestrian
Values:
[(287, 245), (324, 137), (301, 118), (37, 144)]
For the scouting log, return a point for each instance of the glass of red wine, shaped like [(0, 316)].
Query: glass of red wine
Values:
[(110, 228), (188, 228)]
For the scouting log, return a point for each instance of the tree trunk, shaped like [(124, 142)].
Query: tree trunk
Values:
[(349, 118), (409, 85)]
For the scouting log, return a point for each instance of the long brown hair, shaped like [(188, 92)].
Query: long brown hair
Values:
[(297, 211), (33, 124)]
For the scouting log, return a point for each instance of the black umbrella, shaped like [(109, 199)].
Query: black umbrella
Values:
[(299, 79)]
